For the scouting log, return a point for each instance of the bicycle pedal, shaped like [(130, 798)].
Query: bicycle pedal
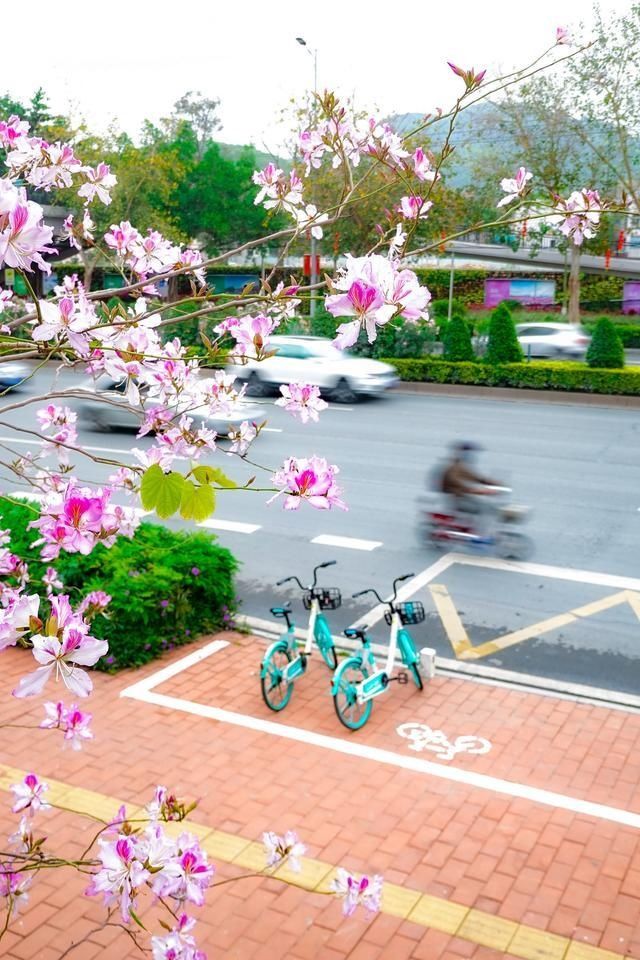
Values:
[(402, 677)]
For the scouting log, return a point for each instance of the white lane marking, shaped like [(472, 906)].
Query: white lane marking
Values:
[(143, 691), (271, 430), (352, 543), (235, 525), (407, 590), (84, 445)]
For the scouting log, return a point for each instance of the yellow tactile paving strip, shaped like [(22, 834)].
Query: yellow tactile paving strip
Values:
[(475, 926)]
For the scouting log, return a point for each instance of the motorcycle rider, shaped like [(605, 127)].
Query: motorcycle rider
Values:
[(461, 484)]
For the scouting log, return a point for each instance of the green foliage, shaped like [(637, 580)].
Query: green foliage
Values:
[(397, 338), (457, 340), (576, 377), (605, 349), (168, 492), (439, 309), (503, 346), (158, 599), (629, 333)]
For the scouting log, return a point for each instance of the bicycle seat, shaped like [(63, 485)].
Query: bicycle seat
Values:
[(356, 633), (281, 611)]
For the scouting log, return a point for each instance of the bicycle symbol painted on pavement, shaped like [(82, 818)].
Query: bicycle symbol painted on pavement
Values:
[(422, 737)]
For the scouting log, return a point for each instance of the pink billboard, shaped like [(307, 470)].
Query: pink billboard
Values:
[(538, 293)]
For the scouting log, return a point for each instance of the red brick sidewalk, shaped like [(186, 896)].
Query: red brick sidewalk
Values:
[(503, 875)]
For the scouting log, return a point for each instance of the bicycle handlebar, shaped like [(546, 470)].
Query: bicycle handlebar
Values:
[(389, 603), (321, 566), (406, 576), (361, 593)]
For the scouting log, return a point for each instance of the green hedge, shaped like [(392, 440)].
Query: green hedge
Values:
[(168, 587), (629, 333), (535, 376)]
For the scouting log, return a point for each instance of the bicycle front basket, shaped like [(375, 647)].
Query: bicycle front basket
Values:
[(329, 598), (410, 612)]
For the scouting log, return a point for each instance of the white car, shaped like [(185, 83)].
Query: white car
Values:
[(115, 413), (553, 339), (315, 360)]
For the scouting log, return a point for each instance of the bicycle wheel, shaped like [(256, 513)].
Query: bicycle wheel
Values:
[(325, 645), (351, 714), (276, 691), (410, 658), (514, 546)]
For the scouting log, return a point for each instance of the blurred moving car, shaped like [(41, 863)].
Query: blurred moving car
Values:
[(553, 339), (116, 414), (315, 360), (12, 374)]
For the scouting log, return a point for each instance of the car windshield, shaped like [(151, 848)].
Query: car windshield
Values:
[(325, 348)]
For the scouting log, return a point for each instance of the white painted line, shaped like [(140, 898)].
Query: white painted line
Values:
[(84, 445), (234, 525), (352, 543), (271, 430), (407, 589), (143, 691), (166, 673)]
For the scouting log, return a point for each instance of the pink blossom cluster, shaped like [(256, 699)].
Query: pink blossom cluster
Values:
[(311, 479), (281, 192), (286, 848), (178, 944), (515, 187), (29, 795), (151, 254), (62, 421), (414, 207), (62, 648), (95, 602), (251, 334), (171, 868), (49, 166), (302, 400), (76, 232), (580, 215), (18, 614), (78, 518), (375, 291), (72, 721)]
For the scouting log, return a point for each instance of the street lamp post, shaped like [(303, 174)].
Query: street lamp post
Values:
[(314, 273)]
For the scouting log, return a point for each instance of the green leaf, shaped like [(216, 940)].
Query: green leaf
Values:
[(161, 491), (197, 503), (205, 474)]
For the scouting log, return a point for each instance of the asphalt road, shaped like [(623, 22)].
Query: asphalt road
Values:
[(576, 466)]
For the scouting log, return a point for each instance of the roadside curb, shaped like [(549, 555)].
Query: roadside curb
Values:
[(494, 676), (518, 393)]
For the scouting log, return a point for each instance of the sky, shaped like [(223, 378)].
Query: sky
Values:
[(136, 58)]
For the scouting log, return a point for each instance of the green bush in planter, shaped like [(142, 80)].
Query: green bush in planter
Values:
[(167, 586), (605, 349), (503, 346), (457, 340)]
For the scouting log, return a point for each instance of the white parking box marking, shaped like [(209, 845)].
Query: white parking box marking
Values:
[(233, 525), (350, 543), (144, 691)]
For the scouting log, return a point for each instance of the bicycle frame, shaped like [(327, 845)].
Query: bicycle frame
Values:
[(379, 681), (298, 665)]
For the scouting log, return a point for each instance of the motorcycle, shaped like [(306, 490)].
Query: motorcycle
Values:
[(488, 531)]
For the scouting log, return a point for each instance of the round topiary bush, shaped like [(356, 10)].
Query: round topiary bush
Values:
[(605, 349), (457, 340), (503, 346)]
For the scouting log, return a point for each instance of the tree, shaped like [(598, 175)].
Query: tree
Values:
[(201, 114), (457, 340), (605, 349), (503, 345)]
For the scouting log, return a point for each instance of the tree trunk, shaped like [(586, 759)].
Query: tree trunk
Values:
[(574, 285), (88, 262)]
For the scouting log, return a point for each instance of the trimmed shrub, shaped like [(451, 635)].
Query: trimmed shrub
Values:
[(167, 587), (503, 346), (535, 376), (629, 333), (606, 349), (439, 309), (457, 340)]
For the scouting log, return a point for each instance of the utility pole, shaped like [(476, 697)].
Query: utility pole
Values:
[(450, 308), (314, 249)]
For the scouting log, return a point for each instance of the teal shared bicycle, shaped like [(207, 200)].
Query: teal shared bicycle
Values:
[(284, 662), (357, 681)]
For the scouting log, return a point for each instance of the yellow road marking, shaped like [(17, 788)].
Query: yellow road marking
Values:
[(506, 936), (465, 650)]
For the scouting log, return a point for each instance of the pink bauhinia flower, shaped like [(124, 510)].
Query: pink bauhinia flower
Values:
[(62, 658), (414, 207), (562, 35), (13, 887), (302, 400), (99, 182), (23, 234), (11, 130), (250, 333), (5, 297), (178, 944), (121, 236), (94, 603), (280, 849), (185, 876), (29, 795), (121, 875), (365, 301), (311, 479), (422, 166), (580, 215), (65, 320), (72, 721), (516, 186), (51, 580), (17, 616), (242, 437), (354, 891)]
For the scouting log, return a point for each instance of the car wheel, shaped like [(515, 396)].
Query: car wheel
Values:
[(255, 386), (343, 392)]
